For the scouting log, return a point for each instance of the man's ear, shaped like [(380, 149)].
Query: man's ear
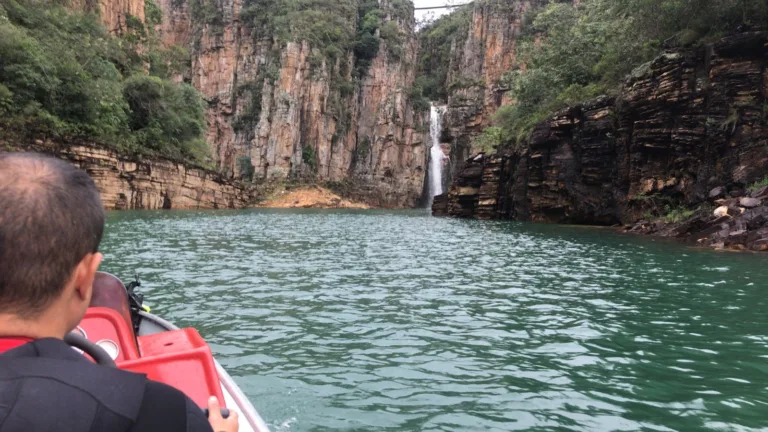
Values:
[(86, 272)]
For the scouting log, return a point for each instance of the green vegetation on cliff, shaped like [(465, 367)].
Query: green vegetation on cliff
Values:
[(588, 50), (333, 27), (437, 40), (344, 37), (62, 75)]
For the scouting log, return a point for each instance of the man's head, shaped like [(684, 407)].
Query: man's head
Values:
[(51, 223)]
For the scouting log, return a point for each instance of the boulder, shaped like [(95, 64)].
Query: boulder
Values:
[(718, 192), (735, 211), (721, 211), (756, 221), (713, 227), (730, 202), (750, 202)]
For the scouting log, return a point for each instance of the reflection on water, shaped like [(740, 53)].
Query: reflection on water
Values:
[(334, 320)]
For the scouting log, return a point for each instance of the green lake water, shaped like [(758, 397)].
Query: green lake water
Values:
[(397, 321)]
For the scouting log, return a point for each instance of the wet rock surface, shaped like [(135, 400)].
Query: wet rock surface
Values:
[(684, 138)]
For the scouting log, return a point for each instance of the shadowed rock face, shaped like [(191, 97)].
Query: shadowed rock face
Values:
[(693, 121)]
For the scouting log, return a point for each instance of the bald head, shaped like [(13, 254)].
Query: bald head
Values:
[(51, 217)]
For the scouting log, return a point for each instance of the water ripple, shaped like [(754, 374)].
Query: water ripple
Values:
[(395, 321)]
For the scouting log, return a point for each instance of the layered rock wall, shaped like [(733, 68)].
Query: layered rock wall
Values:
[(684, 124), (127, 184)]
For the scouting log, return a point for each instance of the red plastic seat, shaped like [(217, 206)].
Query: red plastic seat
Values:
[(102, 323), (181, 359)]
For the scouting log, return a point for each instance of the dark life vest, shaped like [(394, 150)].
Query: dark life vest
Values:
[(46, 386)]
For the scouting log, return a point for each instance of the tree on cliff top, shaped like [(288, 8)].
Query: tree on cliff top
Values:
[(63, 76)]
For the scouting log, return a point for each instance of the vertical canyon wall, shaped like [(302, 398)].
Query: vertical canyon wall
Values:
[(280, 108), (113, 13), (287, 110)]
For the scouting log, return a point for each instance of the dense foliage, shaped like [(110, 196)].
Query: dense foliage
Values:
[(589, 49), (62, 75)]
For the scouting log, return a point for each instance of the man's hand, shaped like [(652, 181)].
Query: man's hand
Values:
[(218, 423)]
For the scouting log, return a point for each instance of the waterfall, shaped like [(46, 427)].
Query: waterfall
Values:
[(436, 155)]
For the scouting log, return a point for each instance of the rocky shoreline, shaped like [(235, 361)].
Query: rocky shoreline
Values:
[(309, 197), (739, 222)]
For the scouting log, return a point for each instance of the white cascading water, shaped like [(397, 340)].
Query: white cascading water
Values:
[(436, 155)]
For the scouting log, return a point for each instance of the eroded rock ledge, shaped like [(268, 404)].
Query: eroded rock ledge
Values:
[(127, 184), (683, 125)]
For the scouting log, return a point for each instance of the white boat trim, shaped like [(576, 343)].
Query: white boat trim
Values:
[(250, 420)]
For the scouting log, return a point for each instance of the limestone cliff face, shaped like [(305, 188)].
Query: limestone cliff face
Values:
[(127, 184), (269, 101), (692, 122)]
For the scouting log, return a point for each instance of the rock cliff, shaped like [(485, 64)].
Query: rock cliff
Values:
[(127, 184), (279, 105), (687, 123), (287, 109)]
